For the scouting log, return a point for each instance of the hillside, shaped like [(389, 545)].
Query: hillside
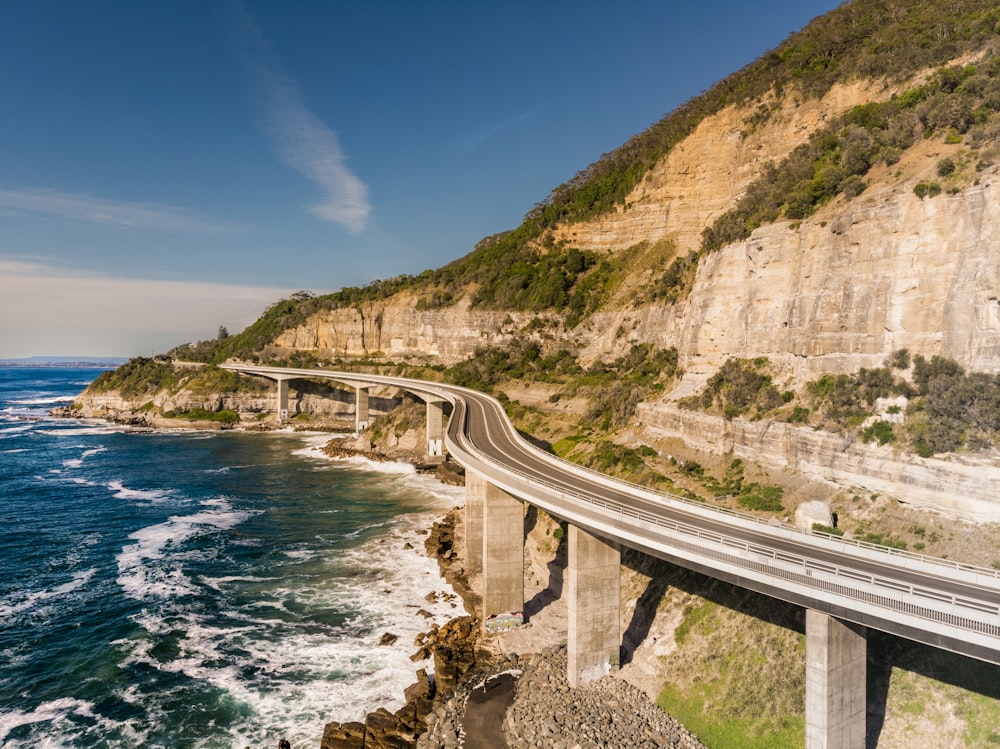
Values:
[(830, 205), (785, 290)]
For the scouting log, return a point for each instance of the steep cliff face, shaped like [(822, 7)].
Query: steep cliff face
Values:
[(396, 329), (705, 174), (833, 293), (838, 292)]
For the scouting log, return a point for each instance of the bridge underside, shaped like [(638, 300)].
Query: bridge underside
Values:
[(836, 620), (362, 413), (494, 535)]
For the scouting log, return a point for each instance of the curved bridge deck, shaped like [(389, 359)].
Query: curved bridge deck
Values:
[(843, 584)]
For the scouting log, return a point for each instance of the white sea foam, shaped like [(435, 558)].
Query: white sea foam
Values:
[(222, 583), (140, 495), (54, 727), (47, 712), (43, 401), (77, 429), (153, 567), (8, 432), (315, 450), (39, 602), (292, 667)]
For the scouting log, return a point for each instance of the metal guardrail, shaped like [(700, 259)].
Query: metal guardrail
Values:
[(808, 566), (801, 570), (769, 522)]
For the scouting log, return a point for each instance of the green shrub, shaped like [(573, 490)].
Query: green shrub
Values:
[(821, 528), (881, 431), (225, 416), (927, 189), (739, 387), (762, 498), (882, 539), (137, 377), (799, 415)]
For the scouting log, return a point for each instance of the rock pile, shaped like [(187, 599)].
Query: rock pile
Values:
[(453, 648), (606, 713)]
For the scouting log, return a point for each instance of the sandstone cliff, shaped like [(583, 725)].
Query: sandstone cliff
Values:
[(829, 294)]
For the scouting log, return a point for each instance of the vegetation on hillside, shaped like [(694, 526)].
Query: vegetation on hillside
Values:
[(960, 103), (741, 387), (945, 407), (889, 39), (143, 376)]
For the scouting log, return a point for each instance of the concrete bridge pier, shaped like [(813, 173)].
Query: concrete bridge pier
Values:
[(503, 553), (593, 577), (475, 499), (835, 682), (360, 409), (282, 402), (435, 427)]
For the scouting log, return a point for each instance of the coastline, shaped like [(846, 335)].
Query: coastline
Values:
[(469, 694), (509, 689)]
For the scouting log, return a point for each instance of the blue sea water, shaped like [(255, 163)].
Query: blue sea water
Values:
[(198, 589)]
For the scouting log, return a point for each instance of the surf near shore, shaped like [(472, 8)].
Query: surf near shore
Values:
[(504, 689)]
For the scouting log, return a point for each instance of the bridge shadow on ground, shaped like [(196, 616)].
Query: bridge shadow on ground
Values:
[(664, 575), (556, 568), (543, 445), (888, 652)]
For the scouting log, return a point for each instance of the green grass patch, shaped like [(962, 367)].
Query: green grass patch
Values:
[(225, 416), (722, 732), (695, 616), (566, 445)]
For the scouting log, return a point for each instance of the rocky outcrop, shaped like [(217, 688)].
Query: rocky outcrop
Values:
[(396, 329), (455, 653), (959, 486)]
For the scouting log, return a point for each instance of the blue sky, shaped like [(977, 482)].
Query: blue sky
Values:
[(169, 167)]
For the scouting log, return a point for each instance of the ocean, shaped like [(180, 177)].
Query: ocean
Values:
[(199, 589)]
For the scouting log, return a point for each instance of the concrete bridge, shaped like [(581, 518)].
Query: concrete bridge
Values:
[(845, 586)]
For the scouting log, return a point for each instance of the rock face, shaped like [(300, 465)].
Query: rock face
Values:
[(453, 648), (964, 487), (395, 328), (832, 293)]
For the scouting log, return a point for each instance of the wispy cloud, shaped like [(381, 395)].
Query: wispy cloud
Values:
[(109, 212), (301, 140), (477, 139), (59, 311)]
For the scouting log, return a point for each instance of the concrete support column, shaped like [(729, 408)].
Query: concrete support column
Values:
[(594, 607), (435, 427), (282, 404), (475, 498), (503, 553), (835, 682), (360, 409)]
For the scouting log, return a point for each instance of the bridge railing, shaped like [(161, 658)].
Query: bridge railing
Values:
[(647, 492), (918, 601)]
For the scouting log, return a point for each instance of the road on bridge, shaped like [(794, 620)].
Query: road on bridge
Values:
[(938, 602)]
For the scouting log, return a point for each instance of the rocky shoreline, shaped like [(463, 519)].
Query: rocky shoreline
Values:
[(536, 709), (477, 697)]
